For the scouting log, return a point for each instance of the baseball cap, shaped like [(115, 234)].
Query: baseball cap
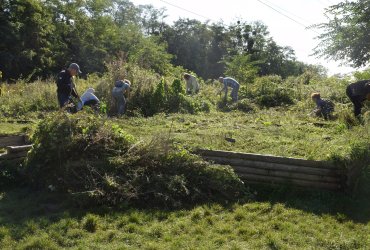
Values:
[(75, 66)]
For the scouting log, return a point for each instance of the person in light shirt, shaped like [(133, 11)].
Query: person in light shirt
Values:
[(192, 85), (121, 88), (88, 98), (233, 84)]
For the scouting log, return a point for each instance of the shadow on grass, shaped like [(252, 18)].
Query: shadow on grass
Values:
[(19, 206), (343, 206)]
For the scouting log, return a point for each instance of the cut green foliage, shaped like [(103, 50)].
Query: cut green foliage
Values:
[(92, 157)]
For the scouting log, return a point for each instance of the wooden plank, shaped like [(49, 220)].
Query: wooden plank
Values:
[(14, 140), (21, 154), (287, 175), (15, 149), (13, 162), (302, 183), (277, 166), (265, 158)]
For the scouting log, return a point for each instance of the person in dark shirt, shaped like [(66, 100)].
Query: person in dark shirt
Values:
[(324, 108), (357, 92), (65, 85)]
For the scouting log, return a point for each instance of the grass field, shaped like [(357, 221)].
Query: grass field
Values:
[(274, 218)]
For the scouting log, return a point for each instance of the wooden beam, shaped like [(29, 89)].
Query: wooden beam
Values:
[(15, 149), (15, 155), (14, 140), (287, 175), (302, 183), (336, 172), (265, 158)]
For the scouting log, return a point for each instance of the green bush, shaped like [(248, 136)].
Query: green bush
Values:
[(98, 161), (90, 223), (269, 91)]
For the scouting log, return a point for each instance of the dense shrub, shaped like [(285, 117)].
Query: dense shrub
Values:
[(90, 156), (269, 91)]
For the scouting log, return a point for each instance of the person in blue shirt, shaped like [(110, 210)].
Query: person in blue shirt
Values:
[(232, 83), (324, 108), (121, 88)]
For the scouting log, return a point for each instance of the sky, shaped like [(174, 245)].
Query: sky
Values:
[(284, 30)]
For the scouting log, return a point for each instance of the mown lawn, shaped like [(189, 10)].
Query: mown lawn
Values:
[(281, 132), (275, 219), (277, 132)]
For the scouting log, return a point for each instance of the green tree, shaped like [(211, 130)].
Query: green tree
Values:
[(346, 36), (242, 68), (26, 31)]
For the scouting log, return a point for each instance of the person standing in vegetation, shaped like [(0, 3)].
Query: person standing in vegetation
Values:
[(323, 108), (192, 85), (65, 86), (358, 92), (121, 88), (232, 83)]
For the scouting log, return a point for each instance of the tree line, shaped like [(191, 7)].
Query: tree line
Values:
[(39, 37)]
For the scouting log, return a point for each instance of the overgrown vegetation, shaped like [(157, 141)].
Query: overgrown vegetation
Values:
[(96, 159)]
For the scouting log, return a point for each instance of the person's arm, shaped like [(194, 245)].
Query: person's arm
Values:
[(74, 91), (128, 91)]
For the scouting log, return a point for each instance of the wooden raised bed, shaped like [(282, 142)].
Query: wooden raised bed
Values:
[(268, 169), (16, 148)]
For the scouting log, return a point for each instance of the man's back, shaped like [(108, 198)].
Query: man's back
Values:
[(64, 82), (360, 88)]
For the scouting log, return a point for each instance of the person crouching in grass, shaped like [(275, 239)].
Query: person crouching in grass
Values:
[(324, 108)]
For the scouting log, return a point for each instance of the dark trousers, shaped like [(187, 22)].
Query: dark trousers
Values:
[(356, 100), (62, 99)]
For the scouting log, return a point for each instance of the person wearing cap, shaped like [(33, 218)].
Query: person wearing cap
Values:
[(192, 85), (65, 85), (88, 98), (232, 83), (358, 92), (121, 88), (324, 108)]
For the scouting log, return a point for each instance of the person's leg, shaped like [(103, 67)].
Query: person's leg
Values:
[(62, 99), (121, 104), (234, 94), (357, 102)]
